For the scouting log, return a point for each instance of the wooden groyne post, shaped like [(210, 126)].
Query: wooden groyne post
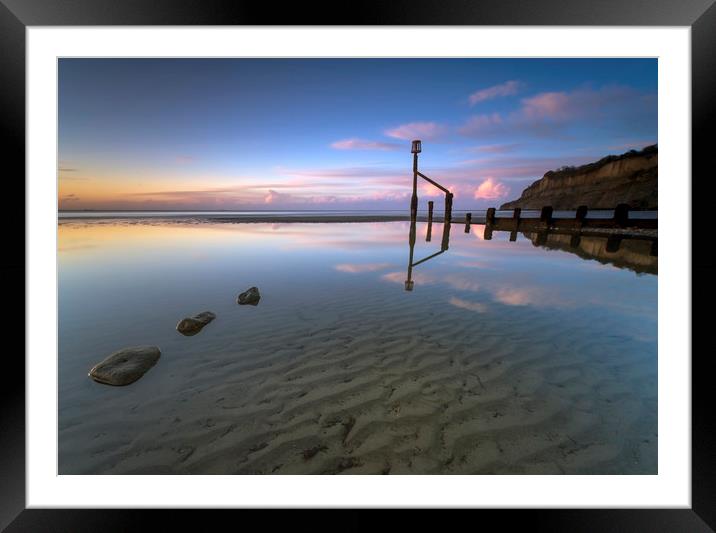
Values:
[(448, 208), (578, 222), (468, 219), (490, 215), (415, 149)]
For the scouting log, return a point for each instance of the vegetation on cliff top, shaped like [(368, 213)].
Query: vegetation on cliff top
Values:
[(567, 171)]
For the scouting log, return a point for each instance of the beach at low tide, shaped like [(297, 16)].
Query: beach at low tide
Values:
[(505, 358)]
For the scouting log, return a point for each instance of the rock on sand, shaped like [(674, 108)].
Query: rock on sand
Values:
[(193, 325), (250, 297), (125, 366)]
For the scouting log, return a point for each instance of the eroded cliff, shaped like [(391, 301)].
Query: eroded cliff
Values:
[(630, 178)]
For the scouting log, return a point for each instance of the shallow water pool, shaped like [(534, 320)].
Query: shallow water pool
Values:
[(537, 356)]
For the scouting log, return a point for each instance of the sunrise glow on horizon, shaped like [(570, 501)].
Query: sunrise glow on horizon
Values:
[(247, 134)]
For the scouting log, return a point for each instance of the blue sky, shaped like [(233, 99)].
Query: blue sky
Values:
[(335, 133)]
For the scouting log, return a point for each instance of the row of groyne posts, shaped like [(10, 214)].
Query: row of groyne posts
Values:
[(620, 219), (546, 223)]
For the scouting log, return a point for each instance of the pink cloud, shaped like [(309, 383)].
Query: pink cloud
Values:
[(552, 113), (503, 89), (272, 196), (417, 130), (555, 105), (361, 144), (495, 148), (491, 190)]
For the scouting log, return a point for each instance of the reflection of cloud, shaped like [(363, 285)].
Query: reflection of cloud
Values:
[(417, 130), (399, 277), (475, 264), (503, 89), (514, 296), (355, 268), (74, 247), (462, 283), (491, 190), (478, 307), (361, 144)]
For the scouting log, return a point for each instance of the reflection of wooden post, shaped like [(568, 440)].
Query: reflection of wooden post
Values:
[(490, 216), (409, 283), (654, 251), (581, 214), (446, 237), (621, 215), (546, 215), (541, 239), (516, 217), (575, 240), (613, 243), (448, 207), (487, 235), (468, 219)]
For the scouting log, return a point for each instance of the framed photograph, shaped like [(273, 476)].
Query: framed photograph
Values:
[(406, 259)]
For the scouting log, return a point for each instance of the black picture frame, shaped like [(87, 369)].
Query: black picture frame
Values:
[(699, 15)]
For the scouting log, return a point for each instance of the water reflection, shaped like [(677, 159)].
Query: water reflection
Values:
[(505, 342), (444, 245), (638, 254)]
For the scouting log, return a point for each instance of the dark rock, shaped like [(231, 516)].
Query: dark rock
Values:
[(250, 297), (193, 325), (125, 366)]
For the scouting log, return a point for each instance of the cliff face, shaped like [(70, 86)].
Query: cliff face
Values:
[(630, 178)]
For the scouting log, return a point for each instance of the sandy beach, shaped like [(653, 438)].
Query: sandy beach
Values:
[(361, 377)]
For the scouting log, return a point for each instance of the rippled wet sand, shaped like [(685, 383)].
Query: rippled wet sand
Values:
[(505, 358)]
